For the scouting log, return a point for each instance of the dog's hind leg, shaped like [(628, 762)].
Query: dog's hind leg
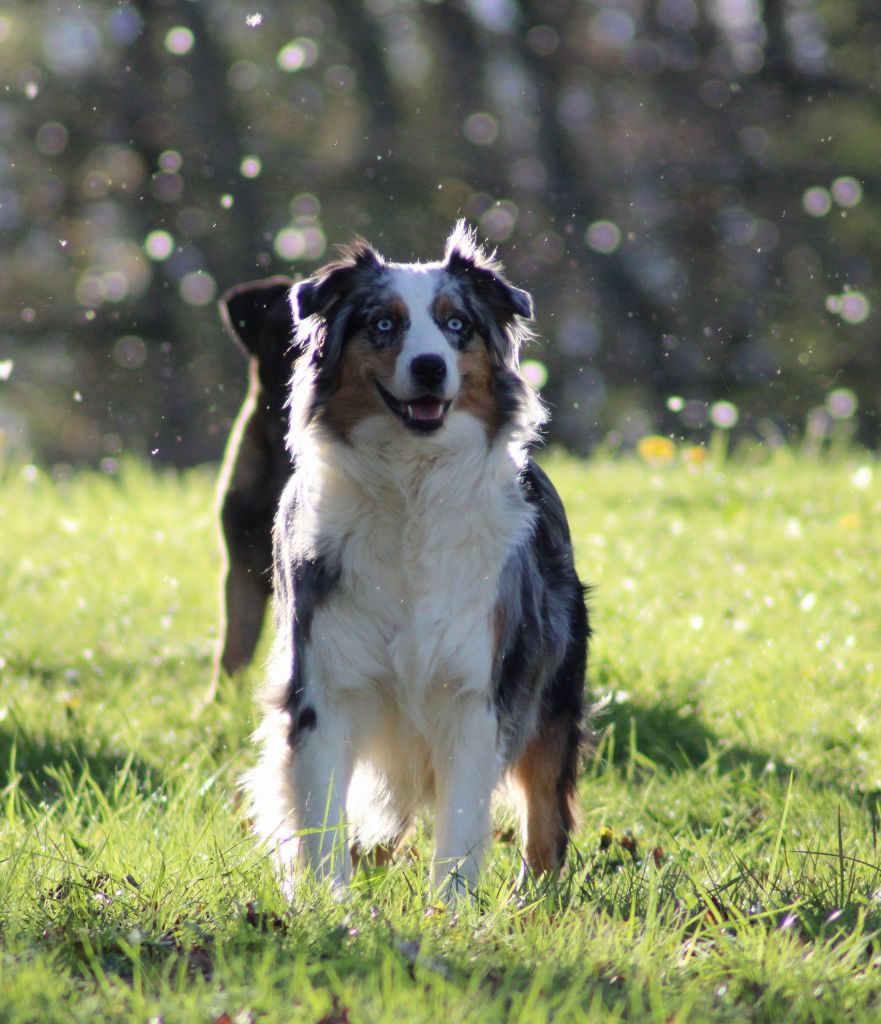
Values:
[(544, 777)]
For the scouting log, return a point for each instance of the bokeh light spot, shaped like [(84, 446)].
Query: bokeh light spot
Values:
[(817, 201), (179, 40), (72, 44), (535, 372), (841, 403), (197, 288), (603, 236), (724, 415), (612, 28), (290, 244), (159, 245), (499, 220), (170, 160), (87, 291), (250, 167), (124, 25), (114, 286), (316, 243), (130, 352), (847, 191), (297, 54), (855, 307), (95, 184), (481, 129)]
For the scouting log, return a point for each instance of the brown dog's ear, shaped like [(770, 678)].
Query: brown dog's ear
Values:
[(258, 314)]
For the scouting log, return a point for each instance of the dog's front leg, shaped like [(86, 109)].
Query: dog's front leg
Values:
[(466, 769), (320, 774)]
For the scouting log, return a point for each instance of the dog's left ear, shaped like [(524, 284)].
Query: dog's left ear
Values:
[(328, 297), (465, 256)]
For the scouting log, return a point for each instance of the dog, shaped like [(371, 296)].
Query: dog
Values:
[(256, 465), (431, 630)]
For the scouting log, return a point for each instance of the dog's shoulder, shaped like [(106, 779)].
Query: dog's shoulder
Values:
[(552, 526)]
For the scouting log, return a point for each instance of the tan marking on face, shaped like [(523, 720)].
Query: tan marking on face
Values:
[(444, 307), (544, 810), (476, 393), (397, 308), (356, 397)]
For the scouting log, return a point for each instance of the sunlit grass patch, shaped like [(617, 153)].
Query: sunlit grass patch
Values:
[(725, 866)]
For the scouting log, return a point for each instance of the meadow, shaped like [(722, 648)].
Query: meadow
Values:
[(726, 866)]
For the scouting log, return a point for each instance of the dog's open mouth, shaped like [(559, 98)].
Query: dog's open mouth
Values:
[(423, 414)]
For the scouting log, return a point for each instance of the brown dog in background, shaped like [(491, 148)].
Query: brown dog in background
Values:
[(256, 464)]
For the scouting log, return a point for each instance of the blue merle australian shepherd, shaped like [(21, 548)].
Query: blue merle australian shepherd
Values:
[(431, 628)]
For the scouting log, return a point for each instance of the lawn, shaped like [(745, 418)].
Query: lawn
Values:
[(726, 864)]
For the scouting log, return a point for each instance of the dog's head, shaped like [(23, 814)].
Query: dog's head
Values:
[(258, 315), (411, 342)]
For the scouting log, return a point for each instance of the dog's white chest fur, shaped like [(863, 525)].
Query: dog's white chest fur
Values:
[(420, 539)]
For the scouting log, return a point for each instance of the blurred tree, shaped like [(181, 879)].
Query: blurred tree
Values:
[(689, 187)]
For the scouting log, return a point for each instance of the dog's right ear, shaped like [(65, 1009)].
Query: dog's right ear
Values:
[(320, 294), (257, 312)]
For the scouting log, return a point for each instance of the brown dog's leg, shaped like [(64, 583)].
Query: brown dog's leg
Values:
[(246, 583), (246, 595), (544, 776)]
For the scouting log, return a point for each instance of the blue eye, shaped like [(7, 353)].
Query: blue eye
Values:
[(455, 324), (384, 325)]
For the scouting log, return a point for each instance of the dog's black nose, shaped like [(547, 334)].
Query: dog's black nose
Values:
[(429, 371)]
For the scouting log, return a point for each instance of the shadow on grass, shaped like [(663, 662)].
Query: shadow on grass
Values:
[(675, 739), (43, 761)]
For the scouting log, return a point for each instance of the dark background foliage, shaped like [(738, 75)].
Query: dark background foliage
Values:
[(689, 188)]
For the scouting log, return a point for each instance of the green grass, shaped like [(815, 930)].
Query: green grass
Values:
[(726, 866)]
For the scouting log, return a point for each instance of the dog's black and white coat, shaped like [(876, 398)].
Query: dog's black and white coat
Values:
[(431, 628)]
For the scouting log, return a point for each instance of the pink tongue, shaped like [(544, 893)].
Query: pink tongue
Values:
[(425, 410)]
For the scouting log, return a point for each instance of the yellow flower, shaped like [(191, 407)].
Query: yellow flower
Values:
[(850, 521), (656, 450), (694, 455)]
